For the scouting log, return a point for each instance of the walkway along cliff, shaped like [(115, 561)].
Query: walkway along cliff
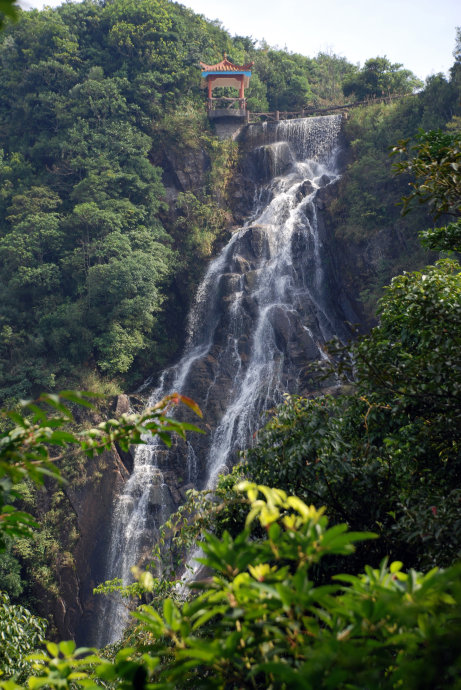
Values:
[(263, 312)]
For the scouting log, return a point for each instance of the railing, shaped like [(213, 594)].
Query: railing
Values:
[(237, 106), (254, 118), (226, 103)]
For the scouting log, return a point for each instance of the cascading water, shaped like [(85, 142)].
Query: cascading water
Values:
[(263, 311)]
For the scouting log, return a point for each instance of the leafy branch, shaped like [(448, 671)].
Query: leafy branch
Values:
[(28, 449)]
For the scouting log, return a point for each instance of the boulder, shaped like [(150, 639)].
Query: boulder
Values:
[(324, 180), (254, 243), (271, 161), (304, 189), (239, 264)]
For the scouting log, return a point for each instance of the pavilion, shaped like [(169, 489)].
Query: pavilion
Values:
[(226, 74)]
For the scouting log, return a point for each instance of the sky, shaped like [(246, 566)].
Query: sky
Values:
[(420, 34)]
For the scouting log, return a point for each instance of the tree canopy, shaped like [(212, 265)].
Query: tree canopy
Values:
[(90, 96), (380, 77)]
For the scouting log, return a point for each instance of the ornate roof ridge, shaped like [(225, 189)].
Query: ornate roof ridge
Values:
[(226, 66)]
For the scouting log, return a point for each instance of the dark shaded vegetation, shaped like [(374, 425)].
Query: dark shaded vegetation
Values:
[(376, 239)]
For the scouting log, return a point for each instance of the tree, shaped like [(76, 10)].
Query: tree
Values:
[(260, 621), (434, 164), (286, 79), (327, 75), (8, 8), (379, 77), (21, 633)]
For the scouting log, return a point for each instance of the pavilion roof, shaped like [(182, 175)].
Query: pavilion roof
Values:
[(226, 66)]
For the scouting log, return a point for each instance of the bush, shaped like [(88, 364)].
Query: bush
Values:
[(261, 622)]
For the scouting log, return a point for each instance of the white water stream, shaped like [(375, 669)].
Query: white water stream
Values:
[(264, 309)]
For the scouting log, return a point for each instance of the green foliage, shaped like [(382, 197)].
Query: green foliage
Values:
[(328, 73), (66, 666), (286, 79), (435, 161), (379, 77), (86, 261), (447, 238), (376, 241), (199, 223), (10, 571), (261, 622), (31, 448), (413, 354), (21, 633), (8, 8)]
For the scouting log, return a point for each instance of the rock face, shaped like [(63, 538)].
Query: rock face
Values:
[(85, 509), (268, 161), (93, 504), (183, 170)]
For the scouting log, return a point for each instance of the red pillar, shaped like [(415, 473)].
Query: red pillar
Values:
[(242, 87), (210, 86)]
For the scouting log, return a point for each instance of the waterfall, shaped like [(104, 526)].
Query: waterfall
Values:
[(263, 311)]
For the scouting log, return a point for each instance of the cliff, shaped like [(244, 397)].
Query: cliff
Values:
[(222, 326)]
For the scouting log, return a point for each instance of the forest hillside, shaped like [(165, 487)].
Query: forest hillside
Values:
[(101, 113), (116, 195)]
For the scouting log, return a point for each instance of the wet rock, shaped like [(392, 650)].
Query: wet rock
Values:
[(204, 371), (160, 500), (184, 489), (254, 243), (239, 264), (157, 477), (243, 347), (304, 190), (250, 279), (282, 327), (271, 160), (324, 180), (170, 477), (123, 406), (163, 461), (309, 212), (299, 244), (250, 306), (128, 504), (175, 495), (156, 496), (229, 283), (302, 348)]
